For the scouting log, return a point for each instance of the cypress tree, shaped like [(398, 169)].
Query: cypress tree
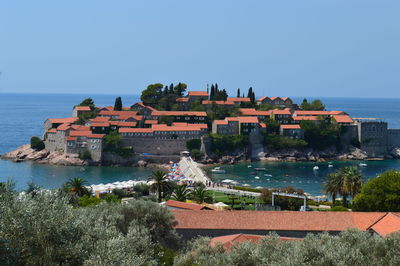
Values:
[(118, 104), (238, 93), (212, 94), (250, 92), (171, 88), (224, 95)]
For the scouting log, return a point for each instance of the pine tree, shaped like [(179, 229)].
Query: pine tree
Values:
[(118, 104), (238, 93), (165, 92), (224, 95), (171, 88)]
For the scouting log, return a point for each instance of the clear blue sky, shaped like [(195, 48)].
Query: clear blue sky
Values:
[(285, 48)]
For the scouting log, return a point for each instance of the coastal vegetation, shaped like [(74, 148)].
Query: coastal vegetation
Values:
[(118, 104), (163, 97), (277, 142), (347, 182), (315, 105), (37, 143), (381, 193), (321, 135), (221, 144)]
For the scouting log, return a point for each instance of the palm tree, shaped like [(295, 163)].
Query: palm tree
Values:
[(180, 193), (77, 185), (200, 195), (160, 183), (352, 182), (333, 186)]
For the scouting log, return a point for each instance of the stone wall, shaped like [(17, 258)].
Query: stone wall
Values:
[(155, 146), (349, 133), (373, 136), (393, 138), (55, 141)]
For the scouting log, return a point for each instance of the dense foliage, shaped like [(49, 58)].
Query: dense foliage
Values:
[(85, 155), (221, 144), (37, 143), (278, 142), (118, 104), (349, 248), (285, 203), (217, 94), (381, 193), (346, 181), (47, 230), (321, 135), (163, 97), (315, 105), (87, 102), (193, 144)]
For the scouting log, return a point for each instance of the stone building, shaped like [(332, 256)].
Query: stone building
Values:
[(293, 131), (372, 135), (79, 110), (284, 102)]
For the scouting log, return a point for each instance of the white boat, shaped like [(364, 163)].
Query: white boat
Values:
[(257, 177), (315, 168), (330, 166), (249, 166), (218, 170), (363, 164), (269, 175)]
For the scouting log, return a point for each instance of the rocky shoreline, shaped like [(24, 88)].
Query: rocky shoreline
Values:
[(25, 153)]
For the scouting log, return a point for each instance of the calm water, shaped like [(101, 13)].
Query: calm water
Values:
[(22, 116)]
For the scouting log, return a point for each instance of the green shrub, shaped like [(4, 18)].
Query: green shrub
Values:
[(250, 189), (193, 144), (228, 143), (112, 198), (339, 209), (278, 142), (321, 135), (196, 154), (120, 193), (85, 155), (37, 144), (87, 201)]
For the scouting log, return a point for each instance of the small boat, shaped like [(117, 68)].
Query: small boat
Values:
[(218, 170), (257, 177), (330, 166), (260, 169), (253, 173), (269, 175), (315, 168), (363, 164), (249, 166)]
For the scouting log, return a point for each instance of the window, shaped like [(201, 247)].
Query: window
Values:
[(93, 147)]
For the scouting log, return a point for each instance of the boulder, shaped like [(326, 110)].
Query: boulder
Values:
[(142, 163), (395, 153)]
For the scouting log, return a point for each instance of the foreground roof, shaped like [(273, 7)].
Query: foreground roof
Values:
[(276, 220), (184, 205)]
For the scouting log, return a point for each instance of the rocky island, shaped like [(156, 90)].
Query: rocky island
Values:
[(212, 126)]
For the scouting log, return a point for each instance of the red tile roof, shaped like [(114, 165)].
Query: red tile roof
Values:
[(281, 112), (316, 113), (127, 124), (290, 127), (135, 130), (229, 240), (83, 108), (178, 113), (64, 127), (276, 220), (118, 113), (63, 120), (104, 124), (182, 100), (184, 205), (198, 93), (337, 113), (253, 111), (390, 223), (238, 99), (206, 102), (100, 119), (220, 122), (52, 131), (150, 122), (343, 119), (311, 118), (247, 119), (262, 99), (68, 138)]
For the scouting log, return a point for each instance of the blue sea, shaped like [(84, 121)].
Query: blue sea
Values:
[(22, 116)]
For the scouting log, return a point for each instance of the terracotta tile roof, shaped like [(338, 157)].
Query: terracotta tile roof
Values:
[(182, 100), (252, 111), (184, 205), (337, 113), (52, 131), (80, 133), (390, 223), (95, 136), (207, 102), (64, 127), (80, 128), (69, 138), (311, 118), (274, 98), (248, 119), (190, 125), (63, 120), (281, 112), (178, 113), (316, 113), (118, 113), (285, 98), (263, 125), (104, 124), (290, 127), (261, 99), (220, 122), (229, 240), (198, 93), (343, 119), (238, 99), (150, 122), (127, 124), (127, 116), (83, 108), (135, 130), (99, 119), (163, 127), (276, 220)]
